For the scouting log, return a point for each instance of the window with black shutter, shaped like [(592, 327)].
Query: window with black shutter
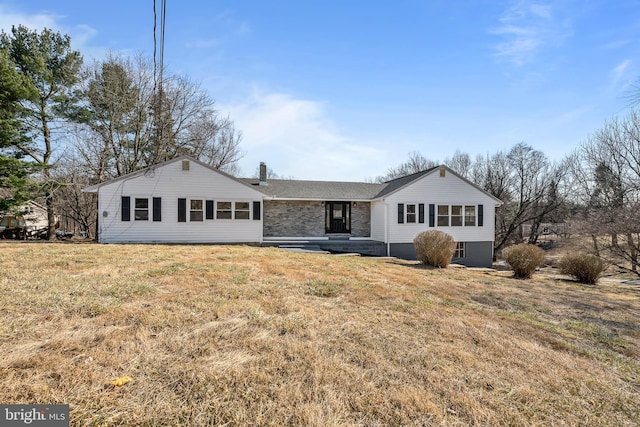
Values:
[(421, 213), (182, 210), (157, 209), (480, 215), (256, 210), (432, 215), (209, 209), (400, 213), (126, 208)]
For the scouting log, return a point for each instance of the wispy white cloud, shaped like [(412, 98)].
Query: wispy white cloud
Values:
[(38, 21), (575, 114), (616, 44), (204, 43), (526, 27), (296, 137), (81, 35), (237, 26), (621, 73)]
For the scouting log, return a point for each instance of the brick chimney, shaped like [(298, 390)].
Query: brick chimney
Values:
[(263, 173)]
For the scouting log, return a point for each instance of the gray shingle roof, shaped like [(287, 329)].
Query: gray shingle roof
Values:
[(317, 190), (396, 184), (331, 190)]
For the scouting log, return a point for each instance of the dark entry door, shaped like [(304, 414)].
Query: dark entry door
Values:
[(338, 217)]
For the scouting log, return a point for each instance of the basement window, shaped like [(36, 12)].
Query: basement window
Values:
[(459, 253)]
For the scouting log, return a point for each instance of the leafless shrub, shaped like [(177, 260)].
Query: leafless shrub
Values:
[(524, 259), (586, 268), (434, 248)]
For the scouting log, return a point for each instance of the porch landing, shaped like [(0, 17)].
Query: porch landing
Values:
[(333, 245)]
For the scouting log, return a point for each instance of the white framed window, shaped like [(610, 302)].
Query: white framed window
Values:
[(456, 216), (469, 216), (443, 215), (460, 250), (411, 213), (141, 211), (223, 210), (242, 210), (195, 210)]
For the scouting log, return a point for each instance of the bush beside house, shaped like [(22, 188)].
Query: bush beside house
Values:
[(524, 259), (585, 268), (434, 248)]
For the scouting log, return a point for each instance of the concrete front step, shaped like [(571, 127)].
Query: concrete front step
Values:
[(363, 247)]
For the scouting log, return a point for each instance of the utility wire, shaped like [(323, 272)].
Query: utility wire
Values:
[(158, 68)]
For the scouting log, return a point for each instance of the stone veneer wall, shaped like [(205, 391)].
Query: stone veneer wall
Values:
[(361, 219), (293, 218)]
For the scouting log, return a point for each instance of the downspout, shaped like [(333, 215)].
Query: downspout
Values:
[(386, 227)]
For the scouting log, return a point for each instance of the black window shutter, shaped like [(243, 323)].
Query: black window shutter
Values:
[(209, 209), (432, 215), (157, 209), (400, 213), (182, 210), (126, 208), (256, 210), (421, 213), (480, 215)]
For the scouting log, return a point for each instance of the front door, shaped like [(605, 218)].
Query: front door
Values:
[(338, 217)]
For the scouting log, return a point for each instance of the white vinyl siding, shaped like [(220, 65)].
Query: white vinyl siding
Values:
[(448, 191), (170, 183), (378, 223)]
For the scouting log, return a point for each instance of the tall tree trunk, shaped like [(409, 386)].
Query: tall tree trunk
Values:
[(594, 239), (534, 233), (46, 158), (633, 253), (51, 218)]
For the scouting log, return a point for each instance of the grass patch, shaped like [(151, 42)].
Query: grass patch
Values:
[(323, 288), (257, 336)]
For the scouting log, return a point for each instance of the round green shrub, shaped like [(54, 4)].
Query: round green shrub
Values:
[(434, 248), (524, 259), (585, 268)]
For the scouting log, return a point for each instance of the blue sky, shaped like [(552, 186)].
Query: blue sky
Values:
[(343, 90)]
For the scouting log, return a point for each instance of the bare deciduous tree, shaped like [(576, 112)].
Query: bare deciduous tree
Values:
[(461, 163), (529, 186), (605, 171), (133, 124), (71, 203), (416, 163)]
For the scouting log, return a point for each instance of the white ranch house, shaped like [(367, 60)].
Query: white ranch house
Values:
[(186, 201)]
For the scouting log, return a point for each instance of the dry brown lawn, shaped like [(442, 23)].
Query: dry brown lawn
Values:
[(234, 336)]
